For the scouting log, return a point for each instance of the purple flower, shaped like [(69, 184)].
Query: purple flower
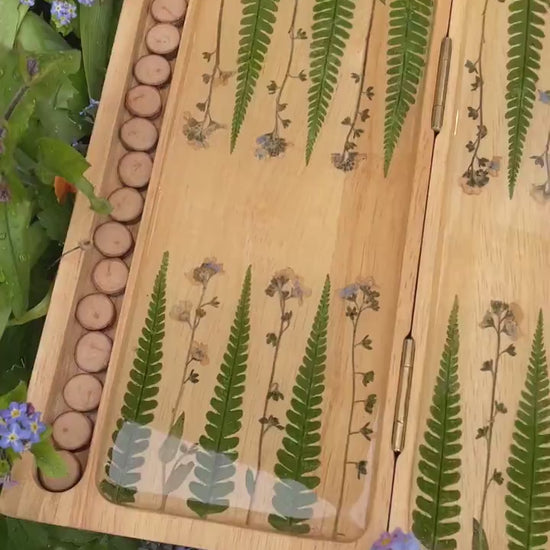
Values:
[(86, 2), (6, 482), (14, 436), (15, 411), (29, 3), (396, 541), (5, 194), (349, 292), (34, 426), (63, 12), (544, 96)]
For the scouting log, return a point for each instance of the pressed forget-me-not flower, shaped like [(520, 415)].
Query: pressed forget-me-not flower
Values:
[(397, 540)]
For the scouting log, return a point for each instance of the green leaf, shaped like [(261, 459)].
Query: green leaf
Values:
[(95, 25), (11, 15), (250, 482), (131, 437), (332, 21), (63, 160), (177, 477), (37, 312), (14, 253), (169, 448), (53, 216), (47, 459), (479, 538), (258, 18), (410, 26), (528, 498), (439, 465), (218, 446), (298, 458), (526, 37), (19, 394)]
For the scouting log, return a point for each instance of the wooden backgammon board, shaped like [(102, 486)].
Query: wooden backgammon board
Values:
[(320, 303)]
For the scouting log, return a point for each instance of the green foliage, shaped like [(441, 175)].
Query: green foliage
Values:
[(131, 437), (332, 21), (528, 498), (217, 452), (19, 394), (410, 26), (298, 459), (258, 18), (439, 465), (526, 36)]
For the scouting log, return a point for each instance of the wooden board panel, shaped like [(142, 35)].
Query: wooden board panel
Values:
[(271, 212), (489, 252)]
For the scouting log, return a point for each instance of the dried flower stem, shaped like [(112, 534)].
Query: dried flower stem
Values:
[(283, 327), (545, 187)]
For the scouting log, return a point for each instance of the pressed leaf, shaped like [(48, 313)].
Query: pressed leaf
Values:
[(217, 452), (177, 477), (169, 447), (437, 505), (258, 18), (131, 437), (410, 27), (298, 458), (526, 36), (528, 498), (479, 538), (332, 21)]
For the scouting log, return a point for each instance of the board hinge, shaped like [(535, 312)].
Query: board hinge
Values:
[(438, 111), (403, 395)]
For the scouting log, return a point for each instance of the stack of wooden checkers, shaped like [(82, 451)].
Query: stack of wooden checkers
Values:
[(96, 312)]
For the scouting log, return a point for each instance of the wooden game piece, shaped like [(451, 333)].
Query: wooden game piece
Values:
[(127, 204), (169, 11), (83, 392), (144, 101), (93, 351), (139, 134), (134, 169), (153, 70), (110, 276), (72, 431), (95, 312), (113, 239), (163, 39), (69, 480)]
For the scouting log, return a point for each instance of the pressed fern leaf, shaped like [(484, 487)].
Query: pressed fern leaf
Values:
[(298, 458), (258, 18), (526, 35), (332, 20), (528, 498), (131, 437), (217, 451), (410, 26), (439, 464)]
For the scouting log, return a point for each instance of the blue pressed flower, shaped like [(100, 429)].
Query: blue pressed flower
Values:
[(396, 541), (544, 96), (14, 437), (263, 139), (35, 427), (63, 12), (349, 291)]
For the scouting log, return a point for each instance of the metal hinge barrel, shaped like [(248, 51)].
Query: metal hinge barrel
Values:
[(403, 396), (438, 112)]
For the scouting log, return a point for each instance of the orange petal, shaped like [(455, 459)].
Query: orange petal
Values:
[(61, 188)]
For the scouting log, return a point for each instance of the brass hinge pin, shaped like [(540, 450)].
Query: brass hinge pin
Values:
[(403, 396), (438, 112)]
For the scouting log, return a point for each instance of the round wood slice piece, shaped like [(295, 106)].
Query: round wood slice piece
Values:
[(83, 392), (134, 169), (69, 480), (152, 69), (113, 239), (93, 351), (144, 101), (95, 312), (163, 39), (139, 134), (127, 204), (169, 11), (110, 276), (72, 431)]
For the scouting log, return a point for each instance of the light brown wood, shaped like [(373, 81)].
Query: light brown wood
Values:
[(144, 101), (113, 239), (110, 276), (163, 39), (134, 169), (72, 431), (127, 204), (93, 351), (139, 134), (74, 472), (169, 11), (83, 392), (95, 312), (153, 70)]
